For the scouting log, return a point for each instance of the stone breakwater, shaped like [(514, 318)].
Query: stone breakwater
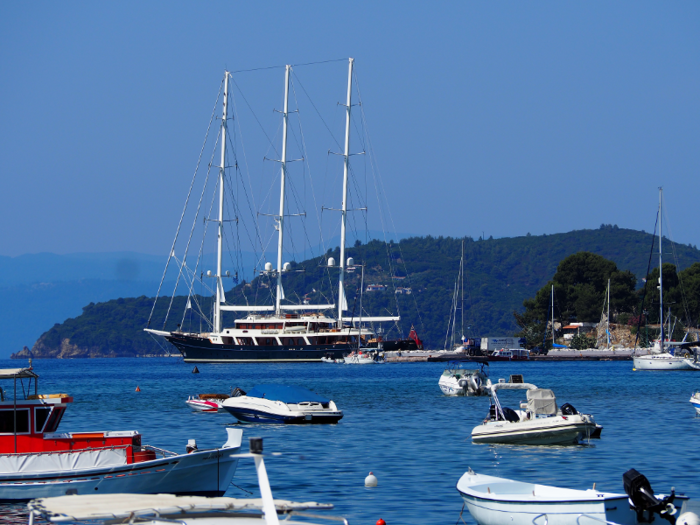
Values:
[(591, 354)]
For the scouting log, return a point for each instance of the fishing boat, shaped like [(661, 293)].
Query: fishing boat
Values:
[(538, 421), (663, 356), (281, 331), (459, 380), (207, 402), (187, 510), (494, 501), (695, 401), (282, 404), (37, 460)]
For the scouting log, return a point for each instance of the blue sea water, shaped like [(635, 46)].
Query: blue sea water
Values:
[(397, 424)]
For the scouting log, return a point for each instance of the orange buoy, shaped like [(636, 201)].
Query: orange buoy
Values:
[(138, 389), (380, 521)]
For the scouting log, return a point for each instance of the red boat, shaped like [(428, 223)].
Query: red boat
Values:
[(38, 461)]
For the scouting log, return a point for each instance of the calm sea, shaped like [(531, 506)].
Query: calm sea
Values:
[(397, 424)]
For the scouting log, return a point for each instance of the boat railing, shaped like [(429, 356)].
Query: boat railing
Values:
[(316, 516), (162, 451)]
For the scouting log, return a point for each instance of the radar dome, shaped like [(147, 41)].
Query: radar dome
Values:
[(331, 261)]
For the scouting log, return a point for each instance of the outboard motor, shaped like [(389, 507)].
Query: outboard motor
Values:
[(568, 409), (642, 498), (238, 392)]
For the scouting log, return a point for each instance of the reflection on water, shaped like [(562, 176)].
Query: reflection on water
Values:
[(397, 424)]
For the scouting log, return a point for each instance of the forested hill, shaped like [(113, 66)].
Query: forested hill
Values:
[(499, 275)]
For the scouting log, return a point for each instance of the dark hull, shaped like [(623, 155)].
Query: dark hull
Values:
[(258, 416), (200, 350), (395, 346)]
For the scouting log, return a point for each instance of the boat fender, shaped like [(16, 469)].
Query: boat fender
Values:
[(371, 480), (687, 518)]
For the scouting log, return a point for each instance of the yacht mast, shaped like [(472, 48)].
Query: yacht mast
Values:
[(661, 287), (280, 219), (219, 284), (552, 316), (461, 275), (342, 303), (607, 320)]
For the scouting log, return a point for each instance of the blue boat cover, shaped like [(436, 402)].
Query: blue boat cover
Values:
[(285, 393)]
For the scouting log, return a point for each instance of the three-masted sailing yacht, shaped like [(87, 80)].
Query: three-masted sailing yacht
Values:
[(279, 332)]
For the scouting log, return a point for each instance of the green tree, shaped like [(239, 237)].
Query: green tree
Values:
[(579, 288)]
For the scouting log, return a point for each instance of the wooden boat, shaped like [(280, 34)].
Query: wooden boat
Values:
[(187, 510), (36, 460)]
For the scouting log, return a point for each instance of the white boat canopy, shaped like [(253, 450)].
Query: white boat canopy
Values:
[(541, 401), (11, 373), (116, 506)]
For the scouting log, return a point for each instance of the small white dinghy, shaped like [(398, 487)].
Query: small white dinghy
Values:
[(495, 501), (538, 422), (457, 380)]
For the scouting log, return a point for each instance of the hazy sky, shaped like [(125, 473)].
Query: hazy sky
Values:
[(495, 117)]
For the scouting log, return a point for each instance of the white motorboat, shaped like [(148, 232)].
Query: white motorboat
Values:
[(494, 501), (207, 402), (38, 460), (282, 404), (695, 401), (457, 380), (537, 422), (364, 356), (187, 510)]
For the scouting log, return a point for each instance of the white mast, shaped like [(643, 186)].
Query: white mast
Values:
[(552, 316), (461, 275), (280, 219), (342, 303), (219, 285), (661, 284), (607, 329)]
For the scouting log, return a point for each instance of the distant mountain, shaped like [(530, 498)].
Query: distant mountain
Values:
[(500, 274), (41, 289)]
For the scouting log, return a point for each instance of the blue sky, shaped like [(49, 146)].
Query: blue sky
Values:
[(500, 117)]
